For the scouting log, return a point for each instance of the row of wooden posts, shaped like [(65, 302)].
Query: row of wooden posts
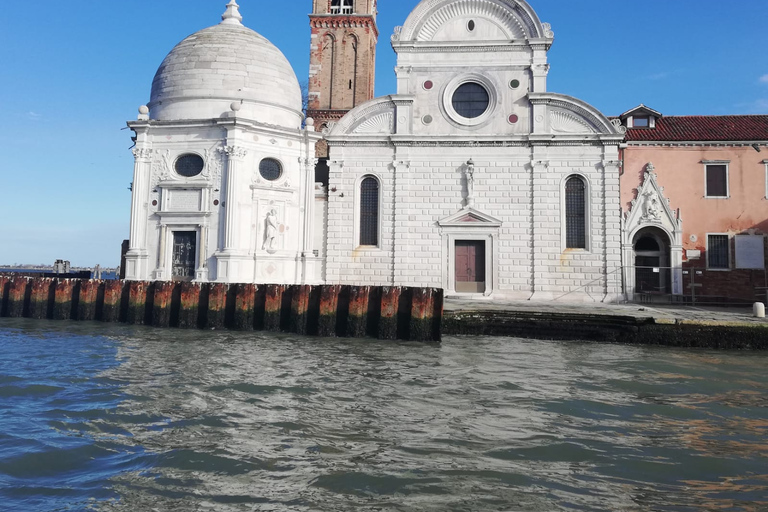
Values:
[(329, 310)]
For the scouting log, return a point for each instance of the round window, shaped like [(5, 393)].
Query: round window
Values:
[(470, 100), (270, 169), (189, 165)]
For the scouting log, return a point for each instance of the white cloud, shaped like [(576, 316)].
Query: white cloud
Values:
[(34, 115), (658, 76), (764, 79)]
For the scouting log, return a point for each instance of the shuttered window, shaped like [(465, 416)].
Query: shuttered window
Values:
[(575, 213), (369, 211), (717, 180), (717, 251)]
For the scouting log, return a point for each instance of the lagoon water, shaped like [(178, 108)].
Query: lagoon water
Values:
[(118, 418)]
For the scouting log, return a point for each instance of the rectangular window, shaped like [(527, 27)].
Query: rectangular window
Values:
[(640, 122), (718, 252), (716, 180)]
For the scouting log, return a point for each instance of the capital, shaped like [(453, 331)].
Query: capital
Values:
[(142, 153), (234, 152)]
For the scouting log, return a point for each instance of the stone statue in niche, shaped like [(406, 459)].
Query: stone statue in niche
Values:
[(270, 232), (470, 176), (651, 206)]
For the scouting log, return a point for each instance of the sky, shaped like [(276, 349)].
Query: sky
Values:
[(73, 72)]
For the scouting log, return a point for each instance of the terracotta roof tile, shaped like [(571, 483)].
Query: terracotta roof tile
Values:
[(703, 128)]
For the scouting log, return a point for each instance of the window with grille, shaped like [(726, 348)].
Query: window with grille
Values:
[(575, 213), (270, 169), (471, 100), (369, 211), (189, 165), (717, 251), (717, 180), (341, 6)]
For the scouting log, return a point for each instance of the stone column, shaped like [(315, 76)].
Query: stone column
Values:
[(308, 272), (136, 259), (231, 257)]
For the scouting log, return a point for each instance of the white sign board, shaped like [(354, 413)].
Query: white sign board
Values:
[(185, 201), (750, 251)]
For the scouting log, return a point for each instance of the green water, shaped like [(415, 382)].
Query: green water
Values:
[(115, 418)]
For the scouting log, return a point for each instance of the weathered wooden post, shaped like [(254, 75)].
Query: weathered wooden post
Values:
[(245, 299), (63, 298), (17, 297), (39, 298), (357, 321), (5, 285), (86, 304), (390, 303), (113, 292), (137, 302), (189, 306), (217, 305), (422, 311), (299, 308), (161, 305), (273, 307), (329, 304)]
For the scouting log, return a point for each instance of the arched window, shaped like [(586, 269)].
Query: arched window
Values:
[(575, 213), (369, 211), (341, 6)]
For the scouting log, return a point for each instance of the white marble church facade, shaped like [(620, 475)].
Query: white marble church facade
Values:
[(487, 184), (472, 178)]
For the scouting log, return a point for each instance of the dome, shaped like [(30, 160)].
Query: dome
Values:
[(209, 70)]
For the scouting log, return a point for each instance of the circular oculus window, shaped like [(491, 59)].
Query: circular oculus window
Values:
[(470, 100), (514, 84), (270, 169), (189, 165)]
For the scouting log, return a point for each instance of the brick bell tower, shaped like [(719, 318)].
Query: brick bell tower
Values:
[(342, 59)]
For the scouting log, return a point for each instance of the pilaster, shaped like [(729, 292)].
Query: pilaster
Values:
[(136, 259)]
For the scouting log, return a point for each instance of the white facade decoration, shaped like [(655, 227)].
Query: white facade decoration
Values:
[(483, 190), (651, 213), (229, 97)]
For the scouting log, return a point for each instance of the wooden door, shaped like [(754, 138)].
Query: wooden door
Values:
[(470, 266), (184, 252)]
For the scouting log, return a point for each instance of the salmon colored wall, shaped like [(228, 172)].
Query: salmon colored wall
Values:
[(680, 171)]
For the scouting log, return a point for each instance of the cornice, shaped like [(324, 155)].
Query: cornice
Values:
[(336, 21), (500, 47), (692, 143)]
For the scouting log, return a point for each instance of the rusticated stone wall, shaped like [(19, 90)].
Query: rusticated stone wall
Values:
[(388, 313)]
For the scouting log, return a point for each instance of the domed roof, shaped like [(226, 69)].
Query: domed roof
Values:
[(209, 70)]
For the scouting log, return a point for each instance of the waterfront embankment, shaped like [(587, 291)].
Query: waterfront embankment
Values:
[(678, 326), (382, 312)]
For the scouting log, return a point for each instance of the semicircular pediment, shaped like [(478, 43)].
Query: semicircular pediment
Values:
[(515, 19), (375, 117), (567, 115)]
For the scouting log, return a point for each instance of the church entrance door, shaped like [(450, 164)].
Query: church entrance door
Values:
[(470, 266), (184, 251)]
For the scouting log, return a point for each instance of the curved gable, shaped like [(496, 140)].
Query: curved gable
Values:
[(511, 19), (559, 114), (375, 117)]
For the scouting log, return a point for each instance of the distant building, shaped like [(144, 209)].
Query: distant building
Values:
[(694, 192)]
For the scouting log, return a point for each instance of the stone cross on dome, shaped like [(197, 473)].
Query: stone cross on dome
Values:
[(232, 15)]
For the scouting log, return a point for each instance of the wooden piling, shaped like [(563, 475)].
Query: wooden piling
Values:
[(161, 304), (17, 297), (245, 299), (273, 307), (329, 304), (5, 286), (422, 315), (357, 320), (299, 309), (63, 299), (217, 306), (113, 292), (86, 303), (189, 305), (137, 302), (40, 298), (390, 304)]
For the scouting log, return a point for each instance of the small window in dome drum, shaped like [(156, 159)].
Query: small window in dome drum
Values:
[(470, 100), (270, 169), (189, 165)]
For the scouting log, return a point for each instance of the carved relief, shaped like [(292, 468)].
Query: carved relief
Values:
[(562, 122), (213, 164), (237, 152), (161, 168), (381, 123), (142, 153), (650, 207), (271, 226)]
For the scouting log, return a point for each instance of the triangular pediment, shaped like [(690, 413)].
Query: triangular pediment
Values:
[(469, 217), (651, 208)]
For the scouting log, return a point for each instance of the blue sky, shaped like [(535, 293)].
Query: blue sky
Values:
[(73, 72)]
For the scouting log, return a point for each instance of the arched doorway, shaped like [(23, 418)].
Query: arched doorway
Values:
[(652, 261)]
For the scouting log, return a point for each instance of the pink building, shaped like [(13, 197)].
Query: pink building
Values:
[(694, 192)]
